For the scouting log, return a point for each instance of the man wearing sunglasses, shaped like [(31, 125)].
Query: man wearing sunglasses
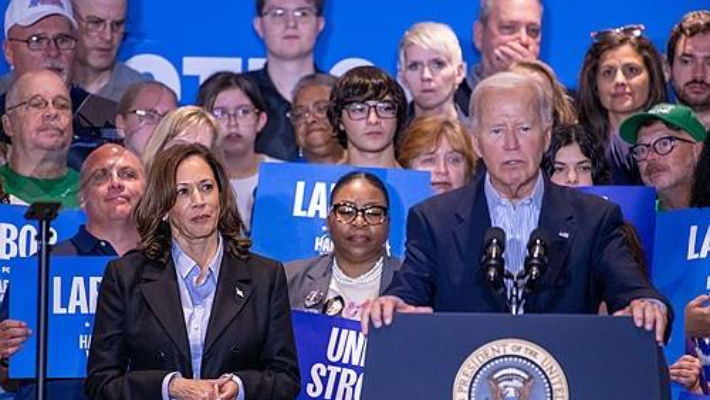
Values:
[(666, 142), (689, 60), (101, 29), (41, 34)]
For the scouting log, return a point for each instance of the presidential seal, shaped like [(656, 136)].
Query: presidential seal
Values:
[(510, 369)]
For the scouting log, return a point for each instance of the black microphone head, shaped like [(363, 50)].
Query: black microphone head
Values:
[(539, 235), (495, 233)]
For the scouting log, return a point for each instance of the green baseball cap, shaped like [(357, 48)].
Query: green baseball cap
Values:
[(676, 115)]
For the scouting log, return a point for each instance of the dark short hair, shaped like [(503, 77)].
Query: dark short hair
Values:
[(693, 23), (590, 109), (365, 84), (226, 80), (160, 196), (319, 5), (356, 175), (131, 95), (565, 135)]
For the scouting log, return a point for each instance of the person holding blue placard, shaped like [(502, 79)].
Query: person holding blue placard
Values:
[(112, 183), (192, 314), (359, 269), (369, 110)]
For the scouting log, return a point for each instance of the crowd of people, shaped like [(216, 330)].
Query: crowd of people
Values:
[(171, 189)]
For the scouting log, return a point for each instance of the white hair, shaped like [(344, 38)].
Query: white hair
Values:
[(510, 81)]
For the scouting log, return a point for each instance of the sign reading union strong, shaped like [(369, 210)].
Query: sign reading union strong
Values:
[(510, 369)]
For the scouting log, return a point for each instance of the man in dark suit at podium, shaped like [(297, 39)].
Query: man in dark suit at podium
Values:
[(589, 261)]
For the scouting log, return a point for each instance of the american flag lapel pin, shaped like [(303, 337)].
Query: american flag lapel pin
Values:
[(563, 234), (239, 292)]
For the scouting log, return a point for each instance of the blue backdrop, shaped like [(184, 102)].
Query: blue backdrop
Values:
[(182, 41)]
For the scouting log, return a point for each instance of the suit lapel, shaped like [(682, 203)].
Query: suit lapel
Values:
[(557, 219), (473, 221), (160, 290), (319, 280), (233, 292)]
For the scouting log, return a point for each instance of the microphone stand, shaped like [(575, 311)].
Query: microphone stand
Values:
[(44, 213)]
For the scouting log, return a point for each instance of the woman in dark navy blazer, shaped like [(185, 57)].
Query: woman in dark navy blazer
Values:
[(192, 314)]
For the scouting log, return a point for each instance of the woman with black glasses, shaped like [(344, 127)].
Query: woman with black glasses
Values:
[(358, 269), (622, 74), (368, 110)]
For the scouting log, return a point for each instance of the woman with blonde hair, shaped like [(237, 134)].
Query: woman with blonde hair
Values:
[(563, 104), (188, 124), (431, 68), (440, 145)]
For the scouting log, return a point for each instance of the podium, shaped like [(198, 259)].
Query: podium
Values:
[(504, 357)]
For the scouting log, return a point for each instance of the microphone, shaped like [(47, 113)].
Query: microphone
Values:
[(492, 259), (536, 260)]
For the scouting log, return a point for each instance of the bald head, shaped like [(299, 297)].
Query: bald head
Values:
[(112, 182), (24, 84)]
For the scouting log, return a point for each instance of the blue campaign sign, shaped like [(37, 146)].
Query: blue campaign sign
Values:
[(692, 396), (73, 289), (331, 356), (17, 235), (681, 265), (292, 202), (638, 205)]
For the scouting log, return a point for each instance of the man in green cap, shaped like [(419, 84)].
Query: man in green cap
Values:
[(666, 142)]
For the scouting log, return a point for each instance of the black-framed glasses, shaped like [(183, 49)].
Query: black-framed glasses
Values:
[(39, 103), (281, 15), (361, 110), (96, 24), (662, 146), (147, 116), (241, 114), (346, 213), (42, 42), (634, 30), (300, 114)]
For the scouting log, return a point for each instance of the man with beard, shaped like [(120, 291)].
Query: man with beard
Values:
[(38, 119), (689, 61), (666, 142)]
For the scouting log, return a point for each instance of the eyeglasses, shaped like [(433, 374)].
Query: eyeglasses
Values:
[(281, 15), (241, 114), (346, 213), (635, 30), (361, 110), (147, 117), (661, 146), (39, 103), (97, 25), (42, 42), (300, 114)]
